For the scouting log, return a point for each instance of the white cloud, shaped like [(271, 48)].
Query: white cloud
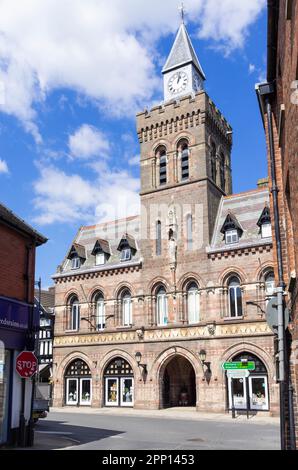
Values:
[(88, 142), (102, 50), (134, 161), (251, 68), (71, 199), (3, 167)]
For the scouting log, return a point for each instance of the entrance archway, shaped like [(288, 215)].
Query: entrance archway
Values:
[(118, 383), (78, 384), (178, 383), (250, 392)]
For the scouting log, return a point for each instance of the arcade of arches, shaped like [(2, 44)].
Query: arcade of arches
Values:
[(177, 384)]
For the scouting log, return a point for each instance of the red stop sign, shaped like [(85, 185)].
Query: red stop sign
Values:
[(26, 364)]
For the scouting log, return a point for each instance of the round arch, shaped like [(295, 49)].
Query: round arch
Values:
[(155, 283), (93, 293), (187, 278), (76, 373), (189, 364), (72, 293), (252, 349), (123, 286), (118, 372), (229, 272)]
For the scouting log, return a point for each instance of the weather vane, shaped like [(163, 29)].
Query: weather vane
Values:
[(182, 11)]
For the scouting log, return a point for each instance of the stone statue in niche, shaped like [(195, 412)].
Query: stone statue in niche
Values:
[(172, 247)]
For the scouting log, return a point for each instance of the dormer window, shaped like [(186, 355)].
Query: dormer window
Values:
[(264, 223), (232, 236), (231, 229), (75, 263), (266, 231), (125, 254), (76, 255), (100, 258), (101, 251), (127, 247)]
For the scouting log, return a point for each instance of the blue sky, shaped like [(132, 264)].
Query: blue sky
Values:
[(69, 91)]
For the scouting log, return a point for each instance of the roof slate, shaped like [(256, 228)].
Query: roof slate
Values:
[(183, 52), (247, 208)]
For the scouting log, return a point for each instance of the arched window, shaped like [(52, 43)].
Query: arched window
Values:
[(269, 285), (78, 384), (222, 171), (126, 308), (73, 314), (189, 231), (235, 297), (183, 148), (213, 162), (100, 312), (158, 238), (161, 153), (193, 303), (162, 307)]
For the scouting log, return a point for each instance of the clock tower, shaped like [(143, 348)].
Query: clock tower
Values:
[(183, 73), (185, 170)]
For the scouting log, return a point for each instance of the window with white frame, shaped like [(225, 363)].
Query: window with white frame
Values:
[(126, 309), (193, 303), (74, 319), (162, 307), (100, 258), (125, 254), (269, 285), (235, 298), (75, 262), (266, 230), (232, 236), (100, 313)]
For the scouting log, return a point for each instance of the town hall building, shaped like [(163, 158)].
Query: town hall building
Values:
[(150, 307)]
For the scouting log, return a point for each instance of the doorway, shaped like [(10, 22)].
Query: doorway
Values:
[(178, 383), (78, 384), (119, 384)]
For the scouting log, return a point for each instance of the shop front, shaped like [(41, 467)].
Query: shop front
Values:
[(14, 326), (78, 384), (251, 391), (119, 384)]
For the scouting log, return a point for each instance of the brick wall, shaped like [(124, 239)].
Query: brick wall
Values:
[(13, 255)]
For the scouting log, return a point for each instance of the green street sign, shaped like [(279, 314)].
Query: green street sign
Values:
[(239, 365)]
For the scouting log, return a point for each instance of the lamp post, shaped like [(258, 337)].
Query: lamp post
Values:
[(202, 356), (138, 357)]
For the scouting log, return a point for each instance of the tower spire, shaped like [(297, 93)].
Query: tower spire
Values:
[(182, 12)]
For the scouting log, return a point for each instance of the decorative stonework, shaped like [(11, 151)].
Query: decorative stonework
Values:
[(214, 331)]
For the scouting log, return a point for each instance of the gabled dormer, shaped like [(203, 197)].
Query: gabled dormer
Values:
[(231, 229), (101, 251), (127, 247), (264, 223), (77, 255)]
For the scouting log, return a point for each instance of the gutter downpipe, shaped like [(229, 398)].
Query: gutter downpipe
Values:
[(281, 283)]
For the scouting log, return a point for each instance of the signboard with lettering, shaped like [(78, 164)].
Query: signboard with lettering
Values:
[(14, 315), (249, 365)]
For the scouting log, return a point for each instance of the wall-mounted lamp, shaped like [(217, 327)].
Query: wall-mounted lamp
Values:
[(202, 356), (138, 357)]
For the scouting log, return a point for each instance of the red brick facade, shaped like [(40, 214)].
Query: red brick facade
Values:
[(283, 74)]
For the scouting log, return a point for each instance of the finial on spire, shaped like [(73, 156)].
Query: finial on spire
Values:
[(182, 11)]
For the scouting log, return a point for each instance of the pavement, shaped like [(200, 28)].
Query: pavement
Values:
[(171, 429)]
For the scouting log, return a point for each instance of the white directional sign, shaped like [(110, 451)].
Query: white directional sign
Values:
[(238, 374)]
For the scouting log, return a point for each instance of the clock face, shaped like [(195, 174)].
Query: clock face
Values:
[(178, 82)]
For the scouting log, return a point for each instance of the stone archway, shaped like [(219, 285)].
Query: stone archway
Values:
[(177, 383)]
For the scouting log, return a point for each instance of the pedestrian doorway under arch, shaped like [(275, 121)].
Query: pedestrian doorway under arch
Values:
[(178, 383)]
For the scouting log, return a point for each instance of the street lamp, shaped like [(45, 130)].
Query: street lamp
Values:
[(202, 356), (138, 357)]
